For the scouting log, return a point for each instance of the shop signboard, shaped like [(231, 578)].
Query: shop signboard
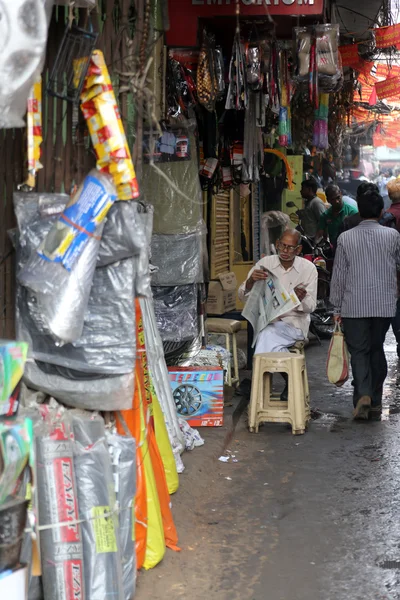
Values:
[(198, 394), (390, 88), (184, 14), (386, 37)]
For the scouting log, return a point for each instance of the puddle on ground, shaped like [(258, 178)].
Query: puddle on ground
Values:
[(328, 420)]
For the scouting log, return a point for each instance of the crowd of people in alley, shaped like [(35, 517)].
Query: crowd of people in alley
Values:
[(364, 237)]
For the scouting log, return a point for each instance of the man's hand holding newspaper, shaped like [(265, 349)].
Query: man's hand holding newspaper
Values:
[(269, 300)]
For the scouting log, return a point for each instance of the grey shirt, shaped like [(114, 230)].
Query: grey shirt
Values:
[(310, 215), (364, 280)]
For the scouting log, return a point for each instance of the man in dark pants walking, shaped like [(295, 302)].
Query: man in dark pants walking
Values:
[(364, 294)]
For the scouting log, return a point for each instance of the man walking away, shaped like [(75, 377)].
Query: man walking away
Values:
[(314, 207), (387, 219), (364, 294), (393, 188)]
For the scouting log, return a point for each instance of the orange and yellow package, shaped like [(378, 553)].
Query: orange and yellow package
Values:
[(100, 109), (34, 131)]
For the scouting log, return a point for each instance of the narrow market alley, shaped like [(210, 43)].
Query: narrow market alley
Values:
[(313, 517)]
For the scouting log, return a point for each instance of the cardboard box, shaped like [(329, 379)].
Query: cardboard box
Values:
[(222, 294), (14, 584), (198, 394)]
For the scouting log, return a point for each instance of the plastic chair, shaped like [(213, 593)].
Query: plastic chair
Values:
[(264, 407), (228, 328)]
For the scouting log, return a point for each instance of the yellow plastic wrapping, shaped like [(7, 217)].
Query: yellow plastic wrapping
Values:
[(100, 109), (164, 445), (34, 131), (155, 543)]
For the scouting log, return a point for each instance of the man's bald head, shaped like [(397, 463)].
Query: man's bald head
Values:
[(291, 237)]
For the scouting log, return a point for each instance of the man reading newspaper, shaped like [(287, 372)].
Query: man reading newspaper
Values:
[(280, 294)]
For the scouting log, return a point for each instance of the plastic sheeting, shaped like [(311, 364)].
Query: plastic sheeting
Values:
[(123, 458), (106, 393), (174, 213), (61, 547), (96, 501), (161, 381), (179, 258), (107, 344), (176, 312), (127, 231), (67, 293), (87, 427)]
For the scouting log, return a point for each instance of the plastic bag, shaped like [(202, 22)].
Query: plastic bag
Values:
[(100, 393), (79, 221), (97, 510), (22, 53), (338, 363), (61, 546), (179, 258), (174, 213), (253, 67), (123, 459), (176, 312)]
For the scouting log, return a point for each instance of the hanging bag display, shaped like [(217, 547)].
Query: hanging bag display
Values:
[(338, 363)]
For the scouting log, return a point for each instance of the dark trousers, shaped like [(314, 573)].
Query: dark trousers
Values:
[(365, 339), (396, 323)]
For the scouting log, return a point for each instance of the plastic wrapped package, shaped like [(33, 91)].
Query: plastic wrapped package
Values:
[(34, 131), (60, 546), (78, 222), (97, 510), (176, 312), (174, 213), (143, 289), (107, 344), (63, 308), (62, 295), (179, 258), (161, 381), (100, 110), (23, 49), (123, 458), (126, 232), (325, 40), (88, 427), (102, 393)]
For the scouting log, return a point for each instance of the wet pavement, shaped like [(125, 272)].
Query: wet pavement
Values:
[(313, 517)]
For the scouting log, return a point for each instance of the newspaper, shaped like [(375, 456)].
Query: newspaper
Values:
[(267, 301)]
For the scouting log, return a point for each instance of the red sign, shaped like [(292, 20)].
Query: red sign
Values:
[(184, 14), (390, 88), (387, 36), (349, 55)]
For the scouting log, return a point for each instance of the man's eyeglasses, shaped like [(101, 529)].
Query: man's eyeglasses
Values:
[(286, 247)]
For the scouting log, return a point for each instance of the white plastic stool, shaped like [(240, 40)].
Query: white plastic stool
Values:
[(266, 408), (228, 328)]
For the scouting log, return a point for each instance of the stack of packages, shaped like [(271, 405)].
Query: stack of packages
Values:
[(16, 459), (82, 261), (177, 245)]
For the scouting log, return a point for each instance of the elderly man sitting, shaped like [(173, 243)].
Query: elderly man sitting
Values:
[(296, 274)]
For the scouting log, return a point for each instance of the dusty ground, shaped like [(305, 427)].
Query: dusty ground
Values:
[(314, 517)]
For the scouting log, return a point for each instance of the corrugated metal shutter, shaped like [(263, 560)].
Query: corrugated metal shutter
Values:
[(220, 233), (256, 212)]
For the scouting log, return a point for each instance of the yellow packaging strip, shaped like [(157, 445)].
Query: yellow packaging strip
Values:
[(34, 131), (100, 109)]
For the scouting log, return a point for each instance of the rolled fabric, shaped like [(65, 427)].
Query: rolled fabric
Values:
[(123, 458), (97, 509)]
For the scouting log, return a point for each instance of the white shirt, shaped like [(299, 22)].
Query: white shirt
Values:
[(304, 273)]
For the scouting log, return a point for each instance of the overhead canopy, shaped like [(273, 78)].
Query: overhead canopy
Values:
[(357, 17)]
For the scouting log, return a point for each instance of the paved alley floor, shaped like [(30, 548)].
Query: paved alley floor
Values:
[(315, 517)]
